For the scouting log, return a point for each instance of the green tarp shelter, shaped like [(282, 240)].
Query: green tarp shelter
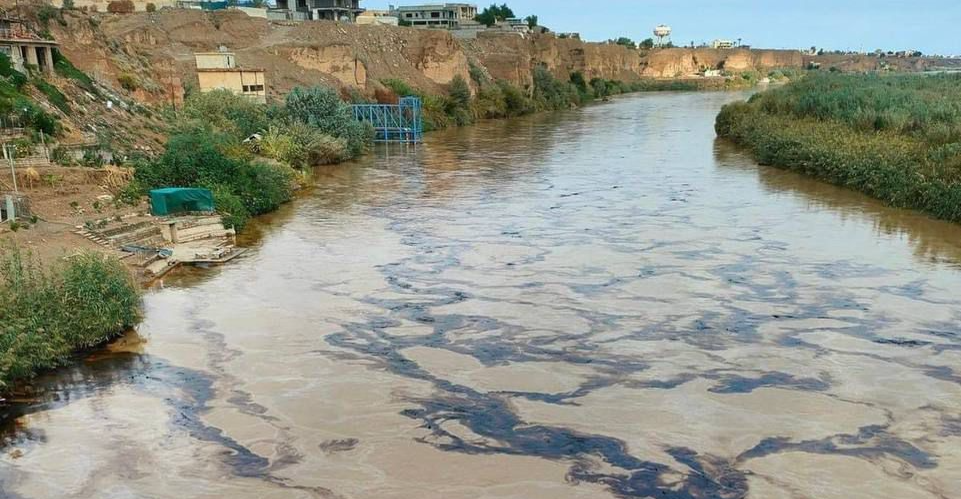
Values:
[(173, 200)]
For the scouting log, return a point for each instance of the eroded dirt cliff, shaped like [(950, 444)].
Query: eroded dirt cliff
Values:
[(156, 50)]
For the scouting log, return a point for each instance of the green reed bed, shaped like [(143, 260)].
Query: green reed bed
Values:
[(49, 313), (896, 138)]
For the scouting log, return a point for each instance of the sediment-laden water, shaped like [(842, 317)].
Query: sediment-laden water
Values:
[(599, 303)]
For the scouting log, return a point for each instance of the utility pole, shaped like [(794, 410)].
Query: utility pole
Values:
[(43, 142), (13, 171)]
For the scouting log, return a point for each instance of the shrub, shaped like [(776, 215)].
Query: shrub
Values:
[(550, 93), (400, 87), (477, 74), (282, 146), (47, 314), (458, 105), (151, 7), (61, 156), (128, 82), (300, 145), (227, 112), (230, 207), (206, 158), (322, 108), (326, 150), (32, 116), (600, 87), (120, 7), (47, 12)]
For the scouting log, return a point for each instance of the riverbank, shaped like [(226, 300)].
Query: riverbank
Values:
[(48, 312), (896, 138)]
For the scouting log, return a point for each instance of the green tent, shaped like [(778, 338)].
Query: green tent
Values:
[(173, 200)]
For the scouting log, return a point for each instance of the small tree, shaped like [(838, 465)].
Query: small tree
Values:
[(460, 91), (151, 7), (531, 21), (625, 41), (647, 44), (458, 102), (490, 15)]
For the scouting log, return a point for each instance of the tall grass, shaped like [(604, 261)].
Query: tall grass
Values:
[(927, 107), (896, 138), (46, 314)]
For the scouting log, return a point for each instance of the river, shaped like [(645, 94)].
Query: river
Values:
[(607, 302)]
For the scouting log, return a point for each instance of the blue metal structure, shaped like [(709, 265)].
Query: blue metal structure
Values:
[(401, 122)]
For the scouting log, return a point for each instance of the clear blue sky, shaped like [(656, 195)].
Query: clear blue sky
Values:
[(932, 26)]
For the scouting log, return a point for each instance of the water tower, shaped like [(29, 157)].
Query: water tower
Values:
[(662, 32)]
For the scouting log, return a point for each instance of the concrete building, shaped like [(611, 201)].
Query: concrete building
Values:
[(218, 70), (723, 44), (330, 10), (376, 17), (513, 24), (443, 16), (25, 48)]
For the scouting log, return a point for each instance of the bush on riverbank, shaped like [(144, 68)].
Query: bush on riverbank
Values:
[(48, 314), (896, 138), (208, 149), (207, 158), (225, 111), (323, 109)]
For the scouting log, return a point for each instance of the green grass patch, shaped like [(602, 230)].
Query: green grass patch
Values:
[(66, 69), (53, 94)]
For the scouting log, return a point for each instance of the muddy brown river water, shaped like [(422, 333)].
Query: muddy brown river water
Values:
[(606, 302)]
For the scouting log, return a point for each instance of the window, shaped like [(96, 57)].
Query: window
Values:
[(435, 15)]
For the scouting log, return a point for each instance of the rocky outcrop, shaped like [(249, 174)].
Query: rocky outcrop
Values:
[(338, 61)]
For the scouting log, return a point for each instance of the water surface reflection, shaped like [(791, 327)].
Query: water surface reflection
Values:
[(604, 302)]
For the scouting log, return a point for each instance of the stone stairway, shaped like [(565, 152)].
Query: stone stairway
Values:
[(143, 233)]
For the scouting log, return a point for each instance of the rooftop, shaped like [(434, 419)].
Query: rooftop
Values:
[(434, 6)]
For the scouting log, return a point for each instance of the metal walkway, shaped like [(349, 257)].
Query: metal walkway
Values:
[(401, 122)]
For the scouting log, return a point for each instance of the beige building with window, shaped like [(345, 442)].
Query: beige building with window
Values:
[(218, 70)]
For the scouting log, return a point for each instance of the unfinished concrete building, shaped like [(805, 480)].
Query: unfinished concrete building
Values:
[(444, 16), (329, 10), (26, 49)]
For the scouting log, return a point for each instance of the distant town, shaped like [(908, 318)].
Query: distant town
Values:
[(463, 20)]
